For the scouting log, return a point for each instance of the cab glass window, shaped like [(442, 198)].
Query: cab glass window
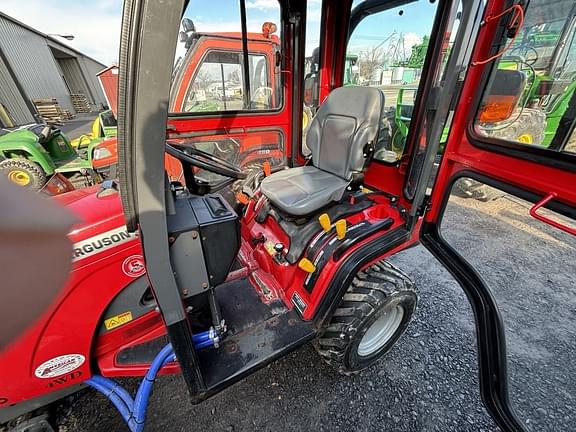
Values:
[(217, 85), (387, 51), (210, 72), (529, 98), (311, 69), (247, 150)]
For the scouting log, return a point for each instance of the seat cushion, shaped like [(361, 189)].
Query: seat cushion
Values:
[(302, 190)]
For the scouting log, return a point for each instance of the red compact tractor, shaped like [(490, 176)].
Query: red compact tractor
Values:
[(168, 276)]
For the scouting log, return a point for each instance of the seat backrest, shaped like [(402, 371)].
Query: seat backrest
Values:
[(347, 120)]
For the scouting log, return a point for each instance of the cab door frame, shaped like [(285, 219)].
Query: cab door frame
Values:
[(526, 175), (148, 43)]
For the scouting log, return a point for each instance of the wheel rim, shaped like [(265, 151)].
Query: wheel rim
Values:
[(525, 139), (381, 331), (19, 177)]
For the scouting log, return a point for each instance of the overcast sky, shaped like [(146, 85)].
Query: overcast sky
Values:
[(96, 24)]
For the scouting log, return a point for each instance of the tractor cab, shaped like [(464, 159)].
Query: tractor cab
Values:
[(300, 253), (276, 231)]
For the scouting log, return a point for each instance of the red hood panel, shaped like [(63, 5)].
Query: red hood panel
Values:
[(97, 214)]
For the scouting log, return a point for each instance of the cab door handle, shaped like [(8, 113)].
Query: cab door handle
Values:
[(534, 213)]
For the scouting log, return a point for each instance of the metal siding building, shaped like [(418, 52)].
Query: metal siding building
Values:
[(91, 68), (43, 68), (11, 98)]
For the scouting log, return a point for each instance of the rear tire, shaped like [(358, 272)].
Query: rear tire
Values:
[(24, 173), (468, 188), (526, 128), (373, 314)]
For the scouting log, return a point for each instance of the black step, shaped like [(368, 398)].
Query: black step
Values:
[(258, 334)]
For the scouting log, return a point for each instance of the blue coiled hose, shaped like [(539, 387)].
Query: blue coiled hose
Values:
[(133, 411), (165, 356), (107, 390)]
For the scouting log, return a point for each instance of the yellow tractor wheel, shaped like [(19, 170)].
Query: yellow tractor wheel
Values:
[(24, 173), (21, 178), (525, 139)]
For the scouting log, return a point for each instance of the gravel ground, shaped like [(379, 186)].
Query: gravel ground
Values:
[(429, 381), (530, 268)]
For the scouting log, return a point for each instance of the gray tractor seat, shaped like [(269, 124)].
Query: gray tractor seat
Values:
[(300, 191), (344, 126)]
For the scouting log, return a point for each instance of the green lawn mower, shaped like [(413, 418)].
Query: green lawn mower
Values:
[(104, 126), (30, 155)]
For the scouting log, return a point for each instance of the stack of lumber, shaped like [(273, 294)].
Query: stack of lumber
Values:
[(51, 112), (80, 103)]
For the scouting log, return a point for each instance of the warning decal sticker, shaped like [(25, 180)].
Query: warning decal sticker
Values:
[(118, 320)]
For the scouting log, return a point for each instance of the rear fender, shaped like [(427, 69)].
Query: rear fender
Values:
[(32, 152)]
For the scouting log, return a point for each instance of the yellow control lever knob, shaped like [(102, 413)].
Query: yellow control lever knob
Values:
[(325, 222), (306, 265), (341, 229)]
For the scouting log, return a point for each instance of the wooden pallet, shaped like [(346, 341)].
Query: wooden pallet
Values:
[(80, 103), (51, 111)]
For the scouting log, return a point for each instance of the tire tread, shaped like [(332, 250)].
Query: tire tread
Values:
[(368, 291), (38, 174)]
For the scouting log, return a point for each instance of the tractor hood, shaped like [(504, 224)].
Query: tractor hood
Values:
[(97, 213)]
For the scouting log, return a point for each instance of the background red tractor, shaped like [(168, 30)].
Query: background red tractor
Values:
[(193, 91)]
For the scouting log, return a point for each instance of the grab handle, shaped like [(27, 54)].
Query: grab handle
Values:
[(534, 213)]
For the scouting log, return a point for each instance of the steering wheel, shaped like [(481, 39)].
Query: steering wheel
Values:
[(204, 160), (524, 52), (264, 93)]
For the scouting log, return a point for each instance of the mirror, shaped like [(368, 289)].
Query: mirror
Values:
[(188, 25)]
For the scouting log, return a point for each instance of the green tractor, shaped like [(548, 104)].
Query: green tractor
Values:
[(351, 70), (30, 155), (545, 52), (548, 71), (402, 116)]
